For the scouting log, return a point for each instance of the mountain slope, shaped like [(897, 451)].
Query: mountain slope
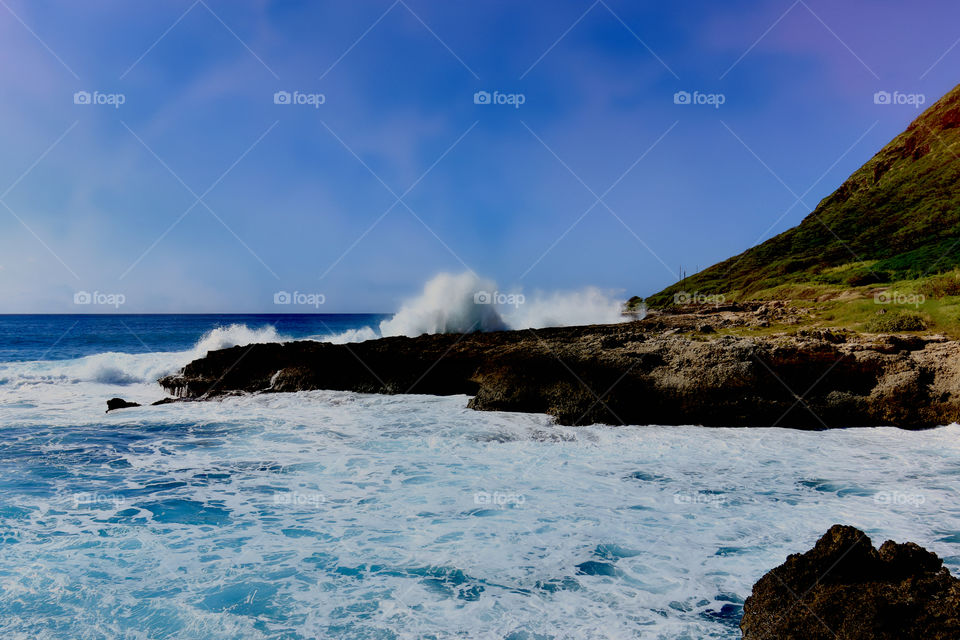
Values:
[(895, 218)]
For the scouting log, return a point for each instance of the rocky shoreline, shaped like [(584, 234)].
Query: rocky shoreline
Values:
[(664, 369)]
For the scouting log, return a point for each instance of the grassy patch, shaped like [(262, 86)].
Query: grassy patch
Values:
[(798, 291), (928, 303)]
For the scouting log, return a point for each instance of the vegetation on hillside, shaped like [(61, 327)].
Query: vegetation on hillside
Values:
[(893, 225)]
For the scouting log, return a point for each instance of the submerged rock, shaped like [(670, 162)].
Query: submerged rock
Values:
[(119, 403), (844, 589)]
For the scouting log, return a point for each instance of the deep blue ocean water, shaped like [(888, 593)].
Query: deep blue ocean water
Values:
[(339, 515), (59, 337)]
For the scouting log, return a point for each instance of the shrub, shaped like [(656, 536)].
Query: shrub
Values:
[(866, 278), (896, 321), (942, 286)]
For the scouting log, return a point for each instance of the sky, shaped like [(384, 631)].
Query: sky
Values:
[(205, 155)]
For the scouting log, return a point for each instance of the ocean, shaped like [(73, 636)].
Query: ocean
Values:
[(341, 515)]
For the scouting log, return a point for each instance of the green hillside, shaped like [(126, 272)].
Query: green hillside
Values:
[(895, 220)]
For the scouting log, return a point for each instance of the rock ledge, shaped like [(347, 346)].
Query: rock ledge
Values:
[(630, 373)]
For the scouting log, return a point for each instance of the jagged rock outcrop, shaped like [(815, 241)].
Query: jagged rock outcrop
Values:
[(625, 373), (844, 589)]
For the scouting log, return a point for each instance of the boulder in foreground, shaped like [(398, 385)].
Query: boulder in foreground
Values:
[(844, 589)]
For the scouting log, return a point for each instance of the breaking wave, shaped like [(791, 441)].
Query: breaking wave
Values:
[(465, 303), (449, 304), (234, 335), (114, 368)]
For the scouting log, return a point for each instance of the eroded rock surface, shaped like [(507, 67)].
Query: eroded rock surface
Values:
[(844, 589)]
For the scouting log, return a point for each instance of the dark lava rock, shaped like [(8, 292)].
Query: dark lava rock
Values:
[(119, 403), (616, 374), (844, 589)]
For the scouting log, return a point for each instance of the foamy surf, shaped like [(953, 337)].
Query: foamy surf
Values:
[(83, 384), (335, 514), (332, 514)]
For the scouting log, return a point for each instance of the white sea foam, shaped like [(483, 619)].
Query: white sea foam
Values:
[(332, 514), (464, 302), (564, 309), (350, 335)]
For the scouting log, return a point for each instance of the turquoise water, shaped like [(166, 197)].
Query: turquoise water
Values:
[(330, 514)]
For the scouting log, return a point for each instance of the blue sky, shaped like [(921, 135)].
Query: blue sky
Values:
[(200, 193)]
